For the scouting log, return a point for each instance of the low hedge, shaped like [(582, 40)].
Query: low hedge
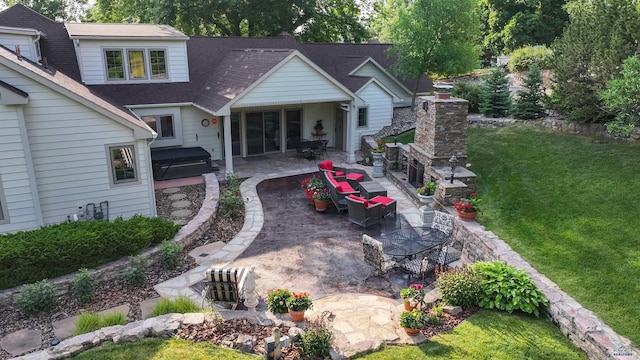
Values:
[(56, 250)]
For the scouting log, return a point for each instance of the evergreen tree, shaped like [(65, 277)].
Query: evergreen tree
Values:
[(528, 105), (495, 99)]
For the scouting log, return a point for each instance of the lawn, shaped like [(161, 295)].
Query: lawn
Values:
[(485, 335), (569, 205), (490, 335)]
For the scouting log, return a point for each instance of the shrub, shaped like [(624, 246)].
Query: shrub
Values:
[(170, 252), (234, 183), (504, 287), (433, 320), (316, 340), (83, 286), (529, 102), (495, 99), (522, 59), (134, 273), (414, 319), (231, 204), (180, 305), (56, 250), (88, 322), (470, 92), (36, 297), (459, 286)]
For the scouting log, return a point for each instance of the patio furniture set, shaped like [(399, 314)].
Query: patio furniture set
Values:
[(351, 189), (416, 250)]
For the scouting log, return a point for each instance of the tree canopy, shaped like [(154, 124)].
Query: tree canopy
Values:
[(308, 20), (431, 37), (60, 10), (621, 97), (513, 24)]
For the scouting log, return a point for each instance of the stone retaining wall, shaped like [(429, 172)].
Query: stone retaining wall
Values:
[(579, 324), (185, 236)]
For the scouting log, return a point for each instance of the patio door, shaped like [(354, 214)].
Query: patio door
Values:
[(255, 133), (293, 119), (263, 132), (339, 130)]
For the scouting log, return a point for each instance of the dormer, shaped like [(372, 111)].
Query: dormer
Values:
[(24, 41), (129, 53)]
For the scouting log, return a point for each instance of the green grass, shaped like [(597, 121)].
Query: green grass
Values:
[(403, 138), (490, 335), (569, 205), (158, 349), (88, 322), (180, 305)]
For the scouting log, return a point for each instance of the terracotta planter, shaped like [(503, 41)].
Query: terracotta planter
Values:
[(296, 316), (467, 216), (321, 205), (411, 331), (408, 306)]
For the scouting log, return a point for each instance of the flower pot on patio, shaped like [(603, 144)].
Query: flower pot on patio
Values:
[(408, 306), (411, 331), (426, 199), (467, 216), (296, 316), (321, 205)]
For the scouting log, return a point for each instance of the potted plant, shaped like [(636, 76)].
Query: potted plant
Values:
[(412, 321), (277, 301), (426, 192), (320, 198), (468, 209), (297, 304), (318, 127), (310, 185), (412, 296)]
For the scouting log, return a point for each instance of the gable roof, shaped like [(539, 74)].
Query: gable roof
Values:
[(65, 85), (123, 31)]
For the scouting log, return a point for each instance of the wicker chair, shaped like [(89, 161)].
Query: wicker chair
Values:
[(364, 214), (374, 256), (443, 222)]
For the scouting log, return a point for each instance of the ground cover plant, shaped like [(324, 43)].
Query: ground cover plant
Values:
[(567, 204)]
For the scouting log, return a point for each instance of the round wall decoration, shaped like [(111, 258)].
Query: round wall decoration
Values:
[(214, 121), (204, 122)]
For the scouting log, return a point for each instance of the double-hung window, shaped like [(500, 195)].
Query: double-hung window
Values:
[(123, 166), (162, 124), (363, 115), (136, 64)]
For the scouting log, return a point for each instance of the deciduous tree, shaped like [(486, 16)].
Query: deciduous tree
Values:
[(621, 98), (60, 10)]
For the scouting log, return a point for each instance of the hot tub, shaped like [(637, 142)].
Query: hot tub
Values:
[(180, 163)]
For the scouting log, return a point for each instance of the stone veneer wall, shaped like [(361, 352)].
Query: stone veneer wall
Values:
[(185, 236), (579, 324)]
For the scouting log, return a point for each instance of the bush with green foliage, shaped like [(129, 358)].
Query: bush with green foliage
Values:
[(470, 92), (170, 252), (134, 273), (56, 250), (83, 285), (180, 305), (36, 297), (495, 99), (231, 204), (621, 97), (315, 342), (504, 287), (459, 286), (234, 183), (88, 322), (524, 58), (528, 104)]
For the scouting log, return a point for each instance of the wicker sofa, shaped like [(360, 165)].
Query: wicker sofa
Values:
[(339, 188), (363, 213)]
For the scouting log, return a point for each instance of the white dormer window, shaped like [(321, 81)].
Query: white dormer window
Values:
[(138, 64)]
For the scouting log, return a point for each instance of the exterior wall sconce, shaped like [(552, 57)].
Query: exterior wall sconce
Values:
[(425, 106)]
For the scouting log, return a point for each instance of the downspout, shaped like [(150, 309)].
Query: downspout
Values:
[(228, 149)]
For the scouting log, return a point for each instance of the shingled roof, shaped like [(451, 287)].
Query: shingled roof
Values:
[(210, 60)]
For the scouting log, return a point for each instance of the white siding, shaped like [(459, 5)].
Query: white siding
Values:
[(93, 69), (194, 134), (27, 46), (380, 113), (294, 82), (70, 163), (373, 71), (14, 178), (313, 112)]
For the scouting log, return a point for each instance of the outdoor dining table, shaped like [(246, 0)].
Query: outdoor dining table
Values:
[(410, 241)]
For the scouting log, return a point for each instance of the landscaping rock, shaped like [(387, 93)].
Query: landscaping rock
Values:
[(453, 310), (21, 341), (245, 343)]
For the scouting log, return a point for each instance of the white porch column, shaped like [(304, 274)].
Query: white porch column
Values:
[(352, 123), (228, 150)]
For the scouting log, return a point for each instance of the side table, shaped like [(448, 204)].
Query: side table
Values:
[(371, 189)]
